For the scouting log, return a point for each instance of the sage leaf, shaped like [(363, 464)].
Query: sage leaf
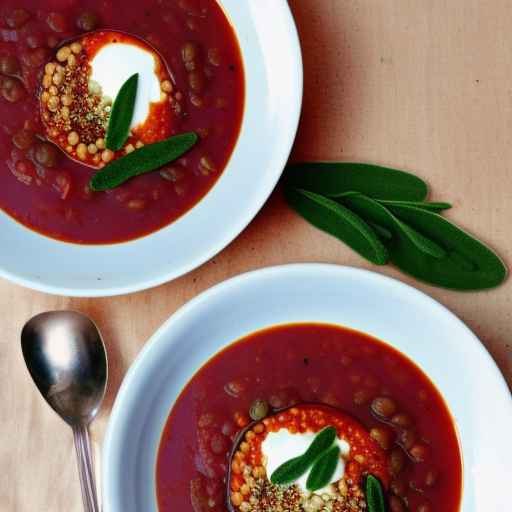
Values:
[(469, 265), (323, 440), (333, 179), (290, 471), (122, 114), (434, 207), (374, 495), (340, 222), (366, 206), (142, 160), (293, 469), (382, 232), (323, 469)]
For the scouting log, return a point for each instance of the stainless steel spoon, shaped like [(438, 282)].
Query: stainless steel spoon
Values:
[(66, 358)]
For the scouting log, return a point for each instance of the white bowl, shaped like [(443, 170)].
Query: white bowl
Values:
[(273, 71), (410, 321)]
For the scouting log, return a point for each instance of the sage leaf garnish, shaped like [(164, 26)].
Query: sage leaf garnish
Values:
[(368, 208), (293, 469), (290, 471), (323, 440), (424, 205), (147, 158), (122, 113), (337, 220), (383, 215), (333, 179), (374, 495), (323, 469)]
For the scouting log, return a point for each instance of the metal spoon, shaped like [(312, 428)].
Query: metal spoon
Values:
[(66, 358)]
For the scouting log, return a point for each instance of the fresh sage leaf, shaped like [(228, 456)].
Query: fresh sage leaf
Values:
[(147, 158), (323, 440), (333, 179), (469, 265), (340, 222), (290, 471), (423, 243), (434, 207), (293, 469), (374, 495), (122, 114), (371, 210), (382, 232), (323, 469)]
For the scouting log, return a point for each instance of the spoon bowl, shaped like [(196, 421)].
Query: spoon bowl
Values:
[(66, 357)]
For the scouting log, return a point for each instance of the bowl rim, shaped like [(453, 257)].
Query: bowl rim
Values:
[(121, 412), (230, 233)]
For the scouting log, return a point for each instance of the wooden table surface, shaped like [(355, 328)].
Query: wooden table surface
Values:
[(420, 85)]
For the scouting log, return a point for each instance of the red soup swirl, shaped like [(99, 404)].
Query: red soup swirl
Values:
[(266, 398), (56, 82)]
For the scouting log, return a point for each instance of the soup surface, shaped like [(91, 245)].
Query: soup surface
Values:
[(41, 187), (396, 423)]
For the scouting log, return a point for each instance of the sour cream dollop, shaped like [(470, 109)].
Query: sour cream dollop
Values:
[(281, 446)]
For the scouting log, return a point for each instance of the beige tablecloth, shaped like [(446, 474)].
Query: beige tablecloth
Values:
[(421, 85)]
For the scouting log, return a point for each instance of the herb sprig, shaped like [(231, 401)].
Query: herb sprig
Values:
[(374, 495), (145, 159), (383, 215), (121, 116)]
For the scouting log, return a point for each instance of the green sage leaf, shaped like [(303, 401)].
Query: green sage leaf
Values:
[(147, 158), (340, 222), (374, 495), (323, 469), (323, 440), (381, 231), (122, 114), (366, 206), (336, 179), (434, 207), (290, 471), (293, 469), (469, 265)]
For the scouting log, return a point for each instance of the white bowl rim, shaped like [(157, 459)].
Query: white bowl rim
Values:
[(120, 415), (229, 235)]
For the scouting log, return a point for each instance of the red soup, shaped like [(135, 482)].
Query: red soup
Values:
[(271, 396), (46, 164)]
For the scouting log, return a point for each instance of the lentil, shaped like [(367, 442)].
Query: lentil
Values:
[(81, 151), (259, 409), (46, 154), (73, 138), (107, 155), (383, 406), (17, 18), (23, 139), (12, 90), (9, 65), (87, 21)]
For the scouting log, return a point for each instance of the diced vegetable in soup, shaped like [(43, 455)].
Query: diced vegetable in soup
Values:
[(309, 418), (62, 65)]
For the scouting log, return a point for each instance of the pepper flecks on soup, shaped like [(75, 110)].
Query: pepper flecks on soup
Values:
[(263, 400), (61, 65)]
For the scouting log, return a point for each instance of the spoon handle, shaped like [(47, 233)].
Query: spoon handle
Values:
[(85, 468)]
